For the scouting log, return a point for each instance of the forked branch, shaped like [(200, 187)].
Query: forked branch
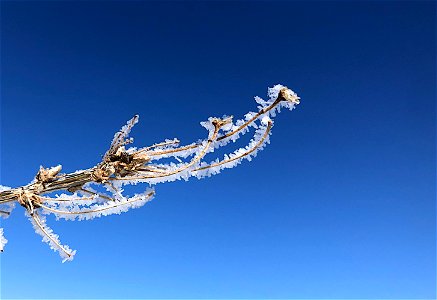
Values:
[(97, 191)]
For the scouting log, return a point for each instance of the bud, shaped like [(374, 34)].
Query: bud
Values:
[(288, 95)]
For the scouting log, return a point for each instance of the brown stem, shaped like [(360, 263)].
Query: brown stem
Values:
[(266, 133), (186, 166), (97, 194), (173, 142), (65, 182), (35, 217), (183, 148), (65, 212), (64, 199)]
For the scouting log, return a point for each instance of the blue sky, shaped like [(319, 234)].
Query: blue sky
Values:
[(340, 205)]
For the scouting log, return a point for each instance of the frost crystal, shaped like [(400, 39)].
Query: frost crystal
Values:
[(49, 237), (3, 240)]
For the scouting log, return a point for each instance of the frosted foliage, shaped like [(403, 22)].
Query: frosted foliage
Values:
[(3, 240), (231, 132), (167, 145), (125, 130), (6, 209), (4, 188), (208, 124), (79, 210), (258, 142), (273, 92), (98, 191), (120, 138), (49, 237)]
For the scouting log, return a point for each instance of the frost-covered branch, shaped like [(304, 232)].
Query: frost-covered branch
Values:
[(98, 191)]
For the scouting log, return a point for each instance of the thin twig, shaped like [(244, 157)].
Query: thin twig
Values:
[(266, 133), (173, 142), (65, 212), (229, 134), (97, 194), (65, 199), (35, 217)]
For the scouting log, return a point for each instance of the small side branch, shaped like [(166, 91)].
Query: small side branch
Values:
[(49, 237)]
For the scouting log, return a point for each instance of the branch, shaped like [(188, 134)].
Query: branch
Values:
[(97, 191)]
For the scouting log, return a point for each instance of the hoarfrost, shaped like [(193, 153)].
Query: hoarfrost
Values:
[(3, 240)]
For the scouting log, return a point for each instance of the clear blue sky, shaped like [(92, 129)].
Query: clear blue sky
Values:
[(340, 205)]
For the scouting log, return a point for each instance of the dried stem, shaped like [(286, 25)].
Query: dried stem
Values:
[(130, 166), (37, 220), (184, 167), (60, 199), (82, 212), (225, 161), (227, 135)]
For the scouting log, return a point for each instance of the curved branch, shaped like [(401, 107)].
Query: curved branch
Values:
[(39, 224), (225, 161), (60, 199), (120, 166), (90, 211), (227, 135)]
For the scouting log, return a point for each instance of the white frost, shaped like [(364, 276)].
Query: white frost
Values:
[(49, 237), (3, 240)]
